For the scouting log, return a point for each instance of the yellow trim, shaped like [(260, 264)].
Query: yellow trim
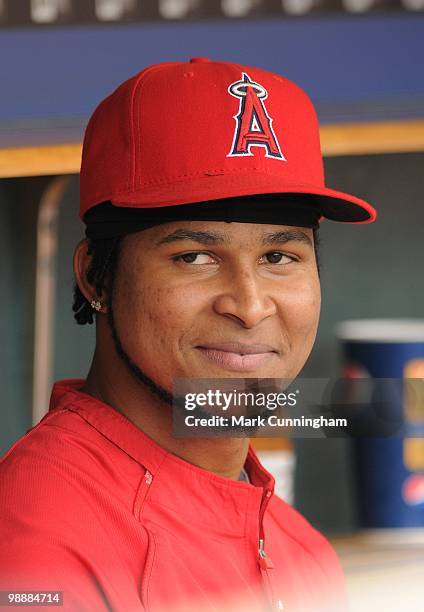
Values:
[(38, 161), (367, 138), (337, 139)]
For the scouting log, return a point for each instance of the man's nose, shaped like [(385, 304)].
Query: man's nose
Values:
[(246, 298)]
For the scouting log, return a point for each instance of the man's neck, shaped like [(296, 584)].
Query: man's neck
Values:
[(222, 456)]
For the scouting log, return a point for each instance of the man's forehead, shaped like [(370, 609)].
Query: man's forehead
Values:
[(226, 233)]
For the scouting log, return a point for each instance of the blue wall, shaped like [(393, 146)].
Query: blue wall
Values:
[(354, 67)]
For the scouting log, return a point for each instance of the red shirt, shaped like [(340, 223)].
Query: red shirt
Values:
[(93, 507)]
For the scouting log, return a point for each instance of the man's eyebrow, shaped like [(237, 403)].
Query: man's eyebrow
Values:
[(196, 236), (209, 238), (286, 236)]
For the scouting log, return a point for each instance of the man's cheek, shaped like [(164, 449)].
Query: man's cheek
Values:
[(303, 323), (302, 303), (162, 315)]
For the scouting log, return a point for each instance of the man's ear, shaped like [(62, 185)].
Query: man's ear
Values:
[(82, 261)]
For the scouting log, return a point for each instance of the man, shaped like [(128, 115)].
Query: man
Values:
[(202, 189)]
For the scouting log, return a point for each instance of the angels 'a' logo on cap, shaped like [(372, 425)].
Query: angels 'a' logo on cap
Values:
[(253, 123)]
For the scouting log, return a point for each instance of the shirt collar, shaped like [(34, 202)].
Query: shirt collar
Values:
[(178, 489), (138, 445)]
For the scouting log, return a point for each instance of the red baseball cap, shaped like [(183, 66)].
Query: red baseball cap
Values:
[(180, 133)]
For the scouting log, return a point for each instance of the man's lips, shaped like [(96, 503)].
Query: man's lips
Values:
[(239, 356), (242, 348)]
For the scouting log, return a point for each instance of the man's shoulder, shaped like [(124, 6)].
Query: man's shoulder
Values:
[(291, 521), (67, 511), (60, 459), (296, 528), (55, 438)]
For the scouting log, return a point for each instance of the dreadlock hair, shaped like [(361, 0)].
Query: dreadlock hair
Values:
[(101, 272)]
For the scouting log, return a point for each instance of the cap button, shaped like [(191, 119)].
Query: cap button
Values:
[(199, 60)]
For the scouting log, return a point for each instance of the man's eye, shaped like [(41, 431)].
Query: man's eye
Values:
[(275, 257), (195, 257)]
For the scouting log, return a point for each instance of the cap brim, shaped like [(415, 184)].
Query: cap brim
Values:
[(334, 205), (343, 207)]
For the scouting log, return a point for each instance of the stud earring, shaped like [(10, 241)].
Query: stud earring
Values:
[(96, 305)]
